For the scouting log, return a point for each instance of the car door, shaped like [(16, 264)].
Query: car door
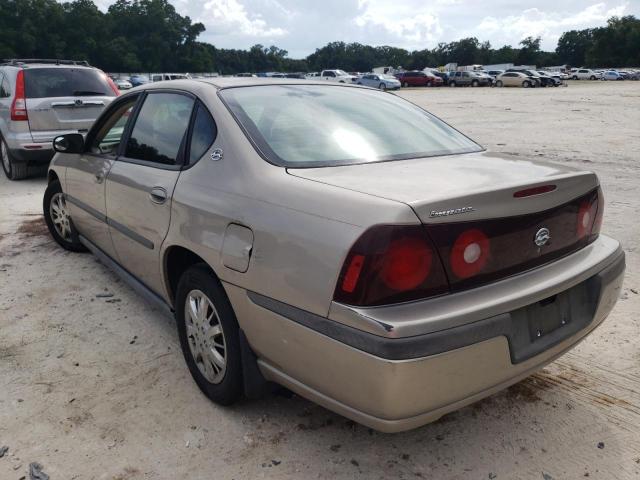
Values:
[(140, 185), (85, 174)]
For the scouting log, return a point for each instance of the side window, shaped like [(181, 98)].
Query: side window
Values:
[(5, 90), (108, 137), (160, 128), (203, 134)]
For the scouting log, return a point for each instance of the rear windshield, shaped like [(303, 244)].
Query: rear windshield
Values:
[(317, 125), (66, 82)]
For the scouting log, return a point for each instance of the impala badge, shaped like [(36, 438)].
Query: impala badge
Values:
[(453, 211), (542, 237)]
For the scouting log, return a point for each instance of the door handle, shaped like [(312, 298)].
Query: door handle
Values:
[(158, 195)]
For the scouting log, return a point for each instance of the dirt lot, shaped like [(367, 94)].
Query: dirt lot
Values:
[(94, 386)]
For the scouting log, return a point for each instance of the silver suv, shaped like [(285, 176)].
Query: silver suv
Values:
[(40, 99)]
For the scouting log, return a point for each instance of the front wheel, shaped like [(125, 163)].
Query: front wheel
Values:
[(592, 77), (405, 84), (499, 83), (475, 83), (526, 84), (452, 84), (58, 219), (382, 87), (209, 335)]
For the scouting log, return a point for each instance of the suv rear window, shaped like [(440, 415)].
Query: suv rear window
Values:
[(66, 82)]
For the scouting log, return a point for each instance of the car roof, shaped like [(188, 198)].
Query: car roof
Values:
[(231, 82)]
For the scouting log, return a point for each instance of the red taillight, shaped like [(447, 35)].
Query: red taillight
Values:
[(469, 253), (406, 264), (112, 84), (589, 214), (597, 223), (391, 264), (353, 273), (19, 104)]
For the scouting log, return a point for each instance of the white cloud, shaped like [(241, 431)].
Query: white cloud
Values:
[(548, 25), (411, 25), (231, 17)]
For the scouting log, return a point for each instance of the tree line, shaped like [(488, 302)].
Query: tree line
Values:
[(150, 36)]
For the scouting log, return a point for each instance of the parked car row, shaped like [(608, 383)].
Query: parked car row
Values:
[(608, 74)]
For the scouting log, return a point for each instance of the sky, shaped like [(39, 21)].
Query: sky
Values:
[(301, 26)]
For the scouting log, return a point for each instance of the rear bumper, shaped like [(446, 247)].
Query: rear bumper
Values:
[(33, 153), (395, 384)]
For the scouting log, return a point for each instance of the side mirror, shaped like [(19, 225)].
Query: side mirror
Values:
[(69, 143)]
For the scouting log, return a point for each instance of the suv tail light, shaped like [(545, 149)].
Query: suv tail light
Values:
[(19, 104), (391, 264), (112, 84)]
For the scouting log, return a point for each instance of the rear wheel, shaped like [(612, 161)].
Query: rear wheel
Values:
[(475, 83), (13, 170), (592, 77), (405, 84), (58, 219), (452, 84), (209, 335)]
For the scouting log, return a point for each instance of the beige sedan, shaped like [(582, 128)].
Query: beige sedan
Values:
[(336, 240), (514, 79)]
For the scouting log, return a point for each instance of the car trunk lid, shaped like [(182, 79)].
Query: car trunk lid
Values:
[(465, 187), (488, 215)]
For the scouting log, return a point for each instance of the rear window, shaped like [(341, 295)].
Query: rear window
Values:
[(66, 82), (317, 125)]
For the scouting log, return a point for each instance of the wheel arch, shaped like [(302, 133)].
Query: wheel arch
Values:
[(177, 259), (52, 176)]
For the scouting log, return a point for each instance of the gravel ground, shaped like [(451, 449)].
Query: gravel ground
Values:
[(94, 386)]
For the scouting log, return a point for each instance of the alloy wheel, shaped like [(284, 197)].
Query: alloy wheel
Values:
[(60, 217), (205, 336)]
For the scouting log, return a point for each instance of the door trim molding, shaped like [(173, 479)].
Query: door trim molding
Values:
[(126, 231)]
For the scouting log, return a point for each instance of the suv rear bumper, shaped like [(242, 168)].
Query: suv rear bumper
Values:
[(410, 381), (33, 153)]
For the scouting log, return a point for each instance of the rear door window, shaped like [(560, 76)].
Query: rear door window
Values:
[(159, 132), (66, 82), (203, 134)]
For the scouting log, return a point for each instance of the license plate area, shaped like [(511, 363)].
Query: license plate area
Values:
[(548, 315)]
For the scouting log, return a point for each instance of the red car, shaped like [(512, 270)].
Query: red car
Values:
[(418, 79)]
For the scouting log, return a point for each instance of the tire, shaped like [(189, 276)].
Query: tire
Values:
[(382, 87), (405, 85), (499, 84), (59, 223), (526, 84), (575, 77), (592, 77), (12, 169), (359, 83), (452, 84), (475, 83), (222, 380)]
